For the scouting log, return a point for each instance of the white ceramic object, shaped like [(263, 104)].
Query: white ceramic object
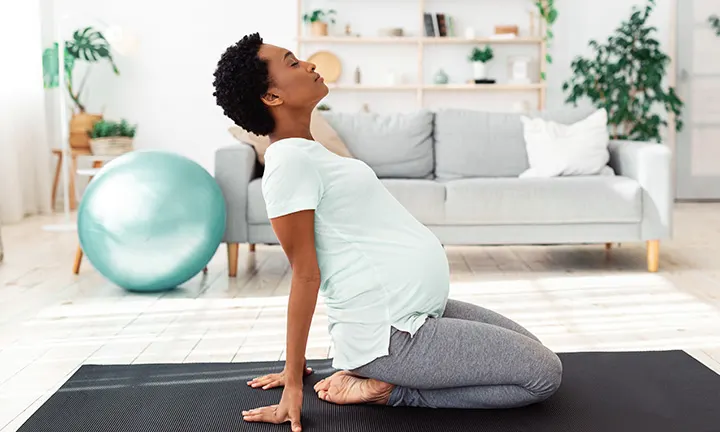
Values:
[(519, 70), (479, 70)]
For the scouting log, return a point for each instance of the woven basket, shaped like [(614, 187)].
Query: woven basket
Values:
[(112, 146)]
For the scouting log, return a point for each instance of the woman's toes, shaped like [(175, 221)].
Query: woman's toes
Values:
[(321, 385)]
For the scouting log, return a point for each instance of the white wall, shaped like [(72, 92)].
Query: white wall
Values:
[(582, 20), (167, 86)]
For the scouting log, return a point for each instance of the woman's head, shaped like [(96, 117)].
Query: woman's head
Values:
[(254, 82)]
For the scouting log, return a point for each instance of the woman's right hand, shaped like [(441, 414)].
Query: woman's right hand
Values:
[(273, 380)]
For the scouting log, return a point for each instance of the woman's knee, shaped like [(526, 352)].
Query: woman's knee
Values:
[(549, 379)]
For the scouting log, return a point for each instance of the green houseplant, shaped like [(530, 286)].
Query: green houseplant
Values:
[(549, 14), (625, 76), (318, 20), (110, 138), (478, 58), (714, 21), (86, 45)]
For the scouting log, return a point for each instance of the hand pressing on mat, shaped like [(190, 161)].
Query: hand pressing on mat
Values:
[(287, 411), (273, 380)]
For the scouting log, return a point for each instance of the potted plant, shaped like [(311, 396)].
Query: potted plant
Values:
[(479, 57), (549, 15), (318, 20), (90, 46), (626, 76), (111, 138)]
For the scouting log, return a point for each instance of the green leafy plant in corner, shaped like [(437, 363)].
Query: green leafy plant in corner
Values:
[(320, 15), (108, 129), (714, 21), (481, 55), (625, 76), (323, 107), (549, 14), (88, 45)]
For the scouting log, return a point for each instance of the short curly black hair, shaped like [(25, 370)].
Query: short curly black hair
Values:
[(241, 80)]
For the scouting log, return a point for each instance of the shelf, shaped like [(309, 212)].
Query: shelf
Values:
[(439, 87), (360, 40), (485, 87), (415, 40), (487, 40), (372, 87)]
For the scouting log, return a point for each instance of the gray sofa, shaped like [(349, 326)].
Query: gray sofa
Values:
[(457, 172)]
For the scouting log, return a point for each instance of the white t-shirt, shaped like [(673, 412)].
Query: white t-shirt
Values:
[(379, 266)]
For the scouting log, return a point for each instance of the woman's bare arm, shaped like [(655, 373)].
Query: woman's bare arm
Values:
[(296, 233)]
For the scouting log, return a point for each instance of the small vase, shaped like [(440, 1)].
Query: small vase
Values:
[(479, 71), (319, 28), (441, 77)]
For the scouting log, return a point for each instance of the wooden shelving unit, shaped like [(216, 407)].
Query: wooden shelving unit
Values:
[(420, 44)]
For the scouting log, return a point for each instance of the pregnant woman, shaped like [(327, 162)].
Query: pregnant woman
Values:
[(399, 340)]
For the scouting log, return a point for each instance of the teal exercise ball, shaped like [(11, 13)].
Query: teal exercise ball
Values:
[(151, 220)]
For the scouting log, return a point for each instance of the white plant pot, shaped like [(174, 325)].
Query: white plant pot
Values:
[(479, 70)]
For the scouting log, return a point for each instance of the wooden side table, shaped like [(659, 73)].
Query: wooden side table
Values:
[(74, 153)]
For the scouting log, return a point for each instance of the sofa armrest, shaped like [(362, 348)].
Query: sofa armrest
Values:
[(650, 165), (235, 167)]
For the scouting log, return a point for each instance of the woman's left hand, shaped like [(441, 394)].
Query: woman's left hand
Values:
[(273, 380), (287, 411)]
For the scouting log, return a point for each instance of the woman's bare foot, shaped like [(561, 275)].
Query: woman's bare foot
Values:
[(343, 388)]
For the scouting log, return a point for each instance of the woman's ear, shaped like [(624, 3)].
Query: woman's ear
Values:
[(271, 99)]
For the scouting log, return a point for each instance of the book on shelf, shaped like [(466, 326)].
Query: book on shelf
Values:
[(429, 25), (438, 25)]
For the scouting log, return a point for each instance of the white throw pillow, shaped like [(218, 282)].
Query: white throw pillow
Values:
[(567, 150)]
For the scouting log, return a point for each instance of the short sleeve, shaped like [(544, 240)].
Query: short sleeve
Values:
[(291, 182)]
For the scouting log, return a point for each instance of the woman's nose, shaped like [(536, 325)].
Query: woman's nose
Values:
[(311, 67)]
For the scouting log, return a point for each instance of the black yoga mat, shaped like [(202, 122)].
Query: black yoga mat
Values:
[(608, 392)]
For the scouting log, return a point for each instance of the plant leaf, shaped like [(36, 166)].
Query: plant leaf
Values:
[(552, 16)]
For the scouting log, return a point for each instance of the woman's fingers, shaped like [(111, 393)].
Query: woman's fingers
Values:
[(294, 417), (273, 384), (265, 415), (264, 380)]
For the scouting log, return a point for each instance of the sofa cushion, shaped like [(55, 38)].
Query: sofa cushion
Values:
[(424, 199), (396, 145), (559, 200), (256, 212), (484, 144)]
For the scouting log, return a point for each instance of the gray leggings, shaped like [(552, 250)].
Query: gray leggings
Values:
[(470, 358)]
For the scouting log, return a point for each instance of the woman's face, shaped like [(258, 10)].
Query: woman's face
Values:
[(293, 83)]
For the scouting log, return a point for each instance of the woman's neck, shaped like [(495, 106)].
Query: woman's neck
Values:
[(291, 125)]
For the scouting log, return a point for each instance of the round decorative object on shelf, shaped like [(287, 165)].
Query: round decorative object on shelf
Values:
[(327, 65), (441, 77)]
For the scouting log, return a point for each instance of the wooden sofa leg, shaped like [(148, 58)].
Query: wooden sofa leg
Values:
[(78, 260), (232, 250), (653, 255), (251, 247)]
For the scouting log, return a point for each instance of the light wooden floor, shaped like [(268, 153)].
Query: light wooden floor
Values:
[(573, 297)]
